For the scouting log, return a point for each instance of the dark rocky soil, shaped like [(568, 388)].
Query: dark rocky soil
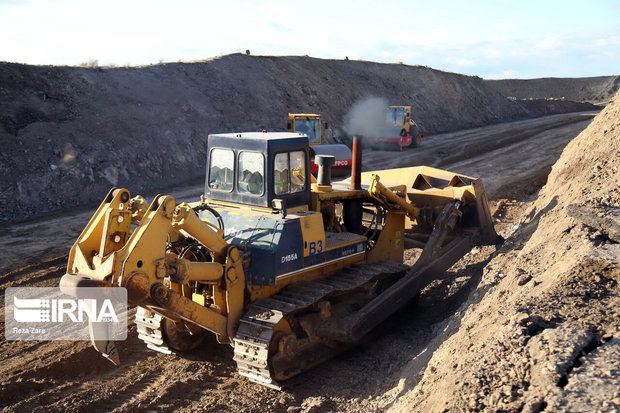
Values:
[(595, 90)]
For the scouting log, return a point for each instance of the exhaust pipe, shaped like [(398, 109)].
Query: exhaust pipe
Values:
[(324, 178), (356, 168), (352, 213)]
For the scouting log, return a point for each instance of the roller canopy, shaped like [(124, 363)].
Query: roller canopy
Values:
[(338, 150)]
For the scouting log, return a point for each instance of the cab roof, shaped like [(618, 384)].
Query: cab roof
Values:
[(259, 135), (257, 141), (304, 115)]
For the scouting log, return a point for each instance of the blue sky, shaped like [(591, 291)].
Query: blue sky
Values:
[(490, 39)]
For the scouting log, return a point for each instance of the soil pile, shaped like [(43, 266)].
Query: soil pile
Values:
[(542, 329), (68, 134), (596, 90)]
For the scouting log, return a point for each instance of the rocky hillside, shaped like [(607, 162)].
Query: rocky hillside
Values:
[(67, 134), (542, 329), (586, 89)]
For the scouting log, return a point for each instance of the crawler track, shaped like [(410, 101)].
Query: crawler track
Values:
[(255, 340), (150, 330)]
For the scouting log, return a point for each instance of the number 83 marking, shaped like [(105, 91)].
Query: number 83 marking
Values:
[(315, 247)]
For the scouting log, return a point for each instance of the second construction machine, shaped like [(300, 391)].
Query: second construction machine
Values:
[(287, 271), (310, 125), (399, 131)]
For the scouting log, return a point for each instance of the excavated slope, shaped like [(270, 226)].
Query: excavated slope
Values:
[(586, 89), (542, 329), (67, 134)]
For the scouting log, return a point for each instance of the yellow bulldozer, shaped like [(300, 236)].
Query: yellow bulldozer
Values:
[(286, 268)]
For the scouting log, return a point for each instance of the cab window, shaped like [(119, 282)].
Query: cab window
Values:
[(289, 172), (222, 169), (394, 118), (309, 127), (250, 179)]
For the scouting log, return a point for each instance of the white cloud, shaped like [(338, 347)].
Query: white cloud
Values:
[(611, 41), (549, 43)]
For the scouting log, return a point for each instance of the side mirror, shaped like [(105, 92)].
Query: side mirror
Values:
[(326, 126), (288, 126)]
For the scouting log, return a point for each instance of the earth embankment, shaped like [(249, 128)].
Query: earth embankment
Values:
[(68, 134), (597, 90), (540, 330)]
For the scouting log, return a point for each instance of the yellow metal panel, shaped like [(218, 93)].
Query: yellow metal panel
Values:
[(86, 246), (198, 298), (390, 245), (335, 240), (248, 208), (312, 233), (407, 176), (147, 244), (115, 231)]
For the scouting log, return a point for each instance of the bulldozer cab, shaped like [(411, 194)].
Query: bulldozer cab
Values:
[(256, 168), (308, 124)]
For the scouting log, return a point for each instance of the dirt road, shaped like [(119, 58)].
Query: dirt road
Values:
[(509, 157), (513, 159)]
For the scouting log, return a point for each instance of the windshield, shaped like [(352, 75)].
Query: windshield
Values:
[(289, 172), (250, 179), (394, 118), (310, 127), (222, 167)]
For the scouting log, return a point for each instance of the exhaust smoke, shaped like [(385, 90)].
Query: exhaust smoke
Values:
[(366, 117)]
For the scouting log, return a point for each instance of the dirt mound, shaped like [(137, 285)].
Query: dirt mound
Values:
[(67, 134), (541, 330), (596, 90), (550, 106)]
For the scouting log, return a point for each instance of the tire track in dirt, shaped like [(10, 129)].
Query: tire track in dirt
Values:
[(449, 149), (126, 388), (54, 272), (482, 145), (86, 377), (23, 375), (31, 276), (44, 265)]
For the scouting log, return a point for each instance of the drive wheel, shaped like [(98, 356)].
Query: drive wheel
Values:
[(178, 336)]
